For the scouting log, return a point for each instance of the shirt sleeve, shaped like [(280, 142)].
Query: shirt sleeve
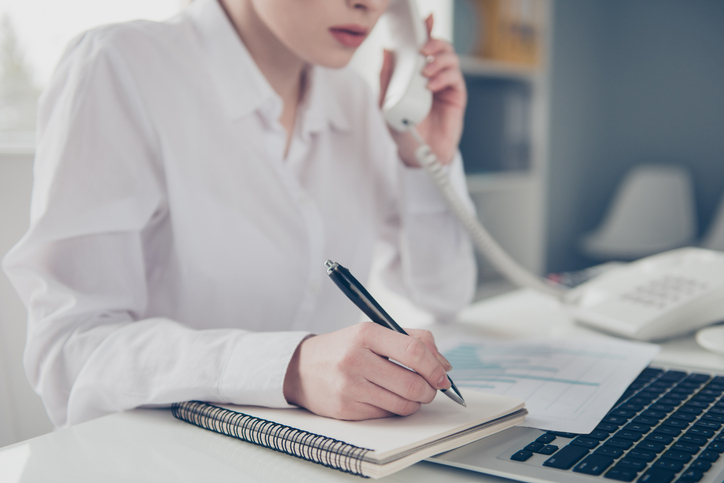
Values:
[(81, 269), (428, 256)]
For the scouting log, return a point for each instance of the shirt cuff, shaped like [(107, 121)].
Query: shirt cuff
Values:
[(254, 374), (419, 193)]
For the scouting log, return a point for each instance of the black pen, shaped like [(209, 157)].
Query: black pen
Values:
[(367, 304)]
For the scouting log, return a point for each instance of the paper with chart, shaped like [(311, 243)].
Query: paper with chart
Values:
[(567, 384)]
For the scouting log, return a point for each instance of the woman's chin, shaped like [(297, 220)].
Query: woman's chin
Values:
[(334, 60)]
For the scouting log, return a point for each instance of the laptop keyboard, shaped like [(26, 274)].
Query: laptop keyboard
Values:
[(666, 427)]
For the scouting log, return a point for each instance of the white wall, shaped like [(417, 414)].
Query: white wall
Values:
[(8, 434), (22, 414), (632, 81)]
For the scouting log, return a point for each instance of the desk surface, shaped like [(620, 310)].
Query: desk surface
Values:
[(150, 445)]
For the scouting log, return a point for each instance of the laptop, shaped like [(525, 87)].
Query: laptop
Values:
[(666, 427)]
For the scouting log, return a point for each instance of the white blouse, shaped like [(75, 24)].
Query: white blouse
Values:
[(174, 253)]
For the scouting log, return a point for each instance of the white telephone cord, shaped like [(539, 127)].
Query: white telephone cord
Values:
[(482, 240)]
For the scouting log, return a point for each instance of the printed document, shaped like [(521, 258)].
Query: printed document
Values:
[(567, 384)]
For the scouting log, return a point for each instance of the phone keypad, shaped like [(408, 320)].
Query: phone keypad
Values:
[(664, 291)]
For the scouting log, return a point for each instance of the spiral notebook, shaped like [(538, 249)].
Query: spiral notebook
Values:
[(372, 448)]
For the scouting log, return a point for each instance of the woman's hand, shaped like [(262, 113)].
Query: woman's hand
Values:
[(347, 375), (443, 127)]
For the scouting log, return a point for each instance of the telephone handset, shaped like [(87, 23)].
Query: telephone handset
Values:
[(407, 100), (410, 89), (662, 296)]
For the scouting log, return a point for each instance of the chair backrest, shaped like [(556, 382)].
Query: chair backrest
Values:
[(652, 211), (714, 237)]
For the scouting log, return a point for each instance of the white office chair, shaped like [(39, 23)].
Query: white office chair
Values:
[(714, 237), (653, 211)]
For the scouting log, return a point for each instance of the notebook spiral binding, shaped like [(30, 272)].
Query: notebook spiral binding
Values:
[(329, 452)]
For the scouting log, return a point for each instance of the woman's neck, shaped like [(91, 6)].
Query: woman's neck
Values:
[(283, 69)]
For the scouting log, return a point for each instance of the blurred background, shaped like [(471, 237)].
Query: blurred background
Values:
[(594, 132)]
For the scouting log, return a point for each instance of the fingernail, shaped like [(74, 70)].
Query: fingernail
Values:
[(443, 383), (445, 363)]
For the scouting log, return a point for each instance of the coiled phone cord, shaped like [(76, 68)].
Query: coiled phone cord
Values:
[(482, 240)]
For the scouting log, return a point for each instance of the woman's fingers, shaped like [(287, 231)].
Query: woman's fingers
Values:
[(399, 381), (406, 350), (438, 63), (346, 374), (387, 402), (444, 80), (435, 47), (388, 67), (426, 337)]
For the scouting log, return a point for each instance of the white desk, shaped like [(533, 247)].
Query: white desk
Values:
[(150, 445)]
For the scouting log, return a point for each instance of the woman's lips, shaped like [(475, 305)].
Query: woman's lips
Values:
[(349, 35)]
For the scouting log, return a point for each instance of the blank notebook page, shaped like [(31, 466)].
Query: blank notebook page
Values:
[(392, 435)]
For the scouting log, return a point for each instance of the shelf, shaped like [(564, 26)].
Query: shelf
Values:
[(476, 66), (503, 181)]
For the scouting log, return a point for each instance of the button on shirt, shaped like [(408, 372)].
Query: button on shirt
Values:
[(174, 253)]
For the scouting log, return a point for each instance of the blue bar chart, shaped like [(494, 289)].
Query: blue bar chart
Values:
[(567, 384)]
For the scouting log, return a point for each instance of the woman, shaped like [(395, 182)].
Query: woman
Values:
[(191, 178)]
